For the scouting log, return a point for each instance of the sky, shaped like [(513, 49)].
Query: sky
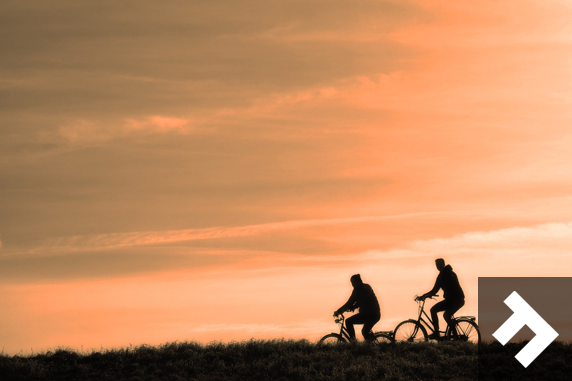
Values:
[(217, 170)]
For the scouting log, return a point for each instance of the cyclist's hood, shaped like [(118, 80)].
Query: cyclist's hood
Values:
[(447, 268), (448, 281), (356, 279)]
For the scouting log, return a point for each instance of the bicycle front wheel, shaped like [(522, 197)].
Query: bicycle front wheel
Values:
[(465, 330), (411, 331), (332, 338)]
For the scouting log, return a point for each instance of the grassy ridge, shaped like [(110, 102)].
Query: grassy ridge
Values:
[(253, 360), (294, 360)]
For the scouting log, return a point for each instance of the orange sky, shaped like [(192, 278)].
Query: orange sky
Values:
[(217, 171)]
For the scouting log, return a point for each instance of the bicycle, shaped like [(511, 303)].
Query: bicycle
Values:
[(464, 328), (344, 336)]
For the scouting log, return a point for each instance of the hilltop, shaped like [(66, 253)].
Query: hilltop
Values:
[(292, 360), (252, 360)]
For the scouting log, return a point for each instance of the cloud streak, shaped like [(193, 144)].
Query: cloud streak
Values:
[(87, 131), (119, 240)]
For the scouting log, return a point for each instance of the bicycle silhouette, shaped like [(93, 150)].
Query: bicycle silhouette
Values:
[(344, 336), (464, 328)]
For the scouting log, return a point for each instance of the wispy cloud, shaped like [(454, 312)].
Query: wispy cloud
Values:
[(99, 242), (86, 131), (158, 123), (539, 250), (556, 235)]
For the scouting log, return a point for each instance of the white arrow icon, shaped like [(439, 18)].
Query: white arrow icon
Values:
[(523, 315)]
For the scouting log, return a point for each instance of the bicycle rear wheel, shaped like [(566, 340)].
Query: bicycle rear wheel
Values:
[(411, 331), (382, 337), (332, 338), (465, 330)]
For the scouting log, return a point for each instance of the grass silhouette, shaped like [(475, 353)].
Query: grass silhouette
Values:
[(292, 360), (252, 360)]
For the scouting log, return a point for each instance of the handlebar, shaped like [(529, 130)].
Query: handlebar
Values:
[(420, 299), (339, 319)]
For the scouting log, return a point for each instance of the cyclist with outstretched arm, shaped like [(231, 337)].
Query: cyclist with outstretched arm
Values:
[(452, 293), (369, 314)]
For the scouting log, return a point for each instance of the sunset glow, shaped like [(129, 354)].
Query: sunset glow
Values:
[(206, 171)]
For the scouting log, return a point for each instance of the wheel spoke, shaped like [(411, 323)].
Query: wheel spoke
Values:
[(410, 331), (332, 339), (465, 330)]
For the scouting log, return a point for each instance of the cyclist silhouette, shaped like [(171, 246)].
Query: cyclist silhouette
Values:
[(452, 293), (369, 314)]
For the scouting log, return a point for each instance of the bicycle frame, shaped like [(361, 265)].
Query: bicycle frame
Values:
[(462, 328), (346, 335), (343, 330), (427, 323)]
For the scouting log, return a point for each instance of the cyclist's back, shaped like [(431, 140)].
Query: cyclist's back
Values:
[(365, 299), (447, 281)]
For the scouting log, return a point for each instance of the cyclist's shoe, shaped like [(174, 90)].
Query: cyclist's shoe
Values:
[(435, 336)]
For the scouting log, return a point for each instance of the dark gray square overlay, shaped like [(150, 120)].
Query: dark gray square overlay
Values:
[(551, 298)]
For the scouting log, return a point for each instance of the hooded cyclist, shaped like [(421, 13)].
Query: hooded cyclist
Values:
[(369, 314), (452, 293)]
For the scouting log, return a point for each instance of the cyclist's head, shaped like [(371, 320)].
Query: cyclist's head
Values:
[(440, 263), (356, 280)]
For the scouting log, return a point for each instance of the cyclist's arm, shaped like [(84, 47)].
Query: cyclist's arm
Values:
[(349, 304), (434, 290)]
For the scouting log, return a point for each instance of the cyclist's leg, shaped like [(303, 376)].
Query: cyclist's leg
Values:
[(441, 306), (356, 319), (453, 307), (368, 325)]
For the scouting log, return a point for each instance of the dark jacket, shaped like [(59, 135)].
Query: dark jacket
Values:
[(363, 298), (447, 280)]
